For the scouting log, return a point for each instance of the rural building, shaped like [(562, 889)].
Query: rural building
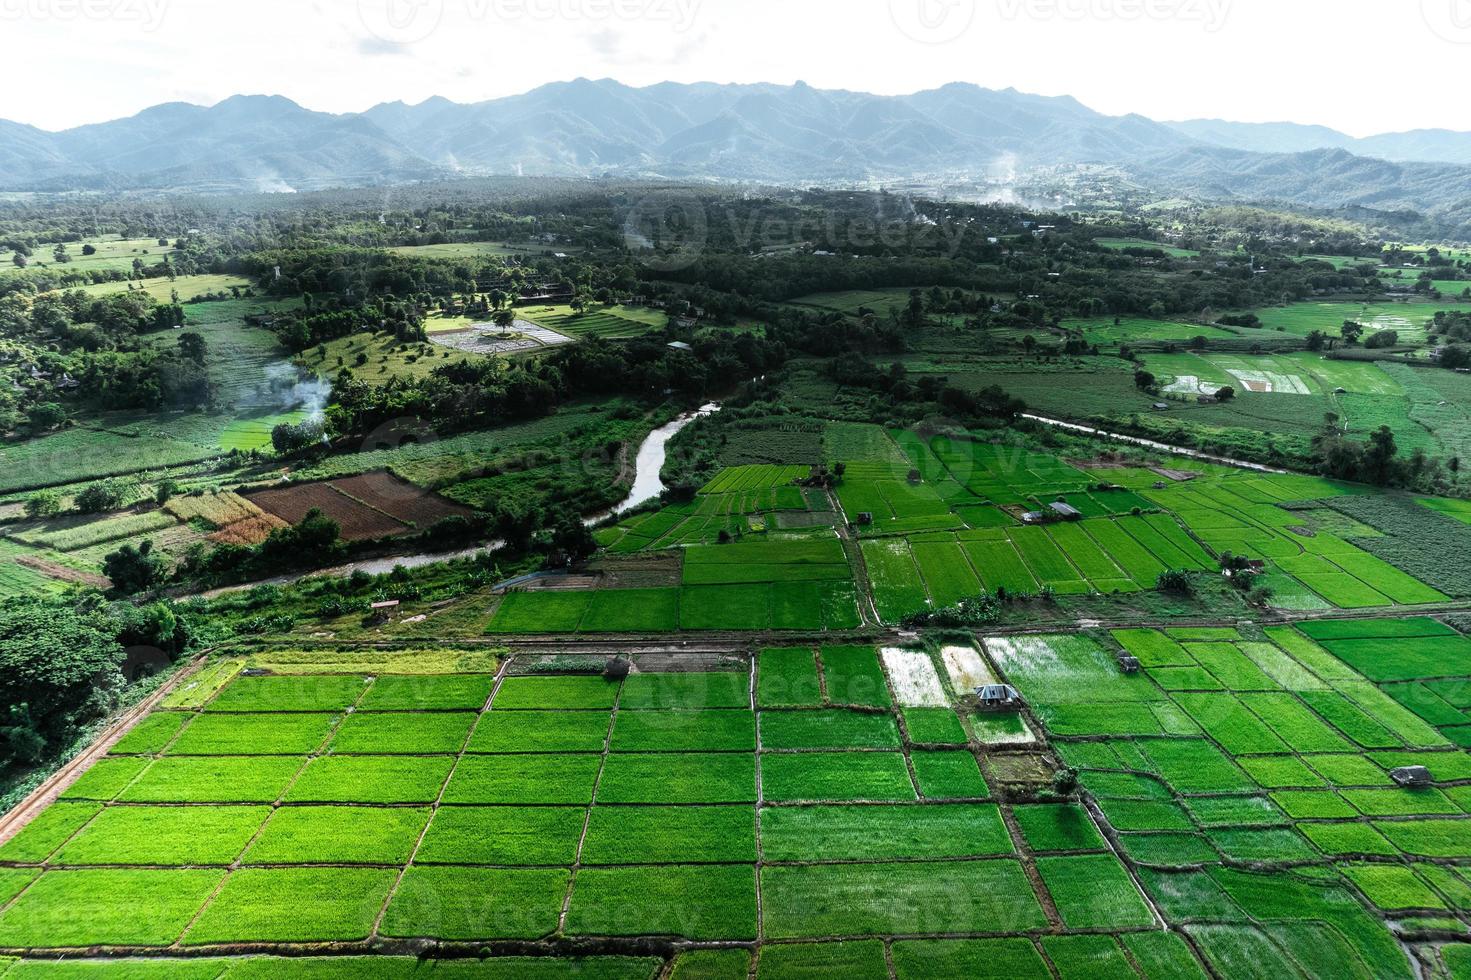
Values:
[(1161, 406), (1066, 511), (1034, 517), (1411, 776), (1129, 665), (865, 518), (998, 697), (680, 345)]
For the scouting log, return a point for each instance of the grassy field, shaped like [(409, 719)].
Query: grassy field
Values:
[(164, 290), (112, 255), (1119, 244), (850, 301), (1408, 318), (471, 250), (379, 358), (1130, 330)]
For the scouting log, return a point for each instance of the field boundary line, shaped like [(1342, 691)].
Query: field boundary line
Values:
[(1026, 859), (40, 798), (868, 613), (364, 503), (234, 865), (403, 870), (587, 817), (760, 803)]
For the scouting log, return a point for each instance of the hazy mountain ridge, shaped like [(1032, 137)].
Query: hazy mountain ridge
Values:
[(1412, 146), (761, 132)]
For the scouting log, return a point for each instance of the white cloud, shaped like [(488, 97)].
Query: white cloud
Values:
[(1255, 60)]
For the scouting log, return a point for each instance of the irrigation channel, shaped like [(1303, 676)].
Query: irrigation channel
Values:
[(1151, 444), (647, 484)]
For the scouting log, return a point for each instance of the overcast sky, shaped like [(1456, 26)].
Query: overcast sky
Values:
[(1362, 66)]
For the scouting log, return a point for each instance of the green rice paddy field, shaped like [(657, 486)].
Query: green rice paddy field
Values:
[(817, 809), (941, 519)]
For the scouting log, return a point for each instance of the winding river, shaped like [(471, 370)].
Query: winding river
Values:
[(647, 484)]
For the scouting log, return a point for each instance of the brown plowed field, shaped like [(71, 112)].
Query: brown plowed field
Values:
[(358, 522), (410, 504)]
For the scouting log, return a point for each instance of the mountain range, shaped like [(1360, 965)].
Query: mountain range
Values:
[(1413, 146), (767, 133)]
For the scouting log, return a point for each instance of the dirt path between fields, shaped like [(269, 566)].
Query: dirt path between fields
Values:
[(867, 610), (48, 792)]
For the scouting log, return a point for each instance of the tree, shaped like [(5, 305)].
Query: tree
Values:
[(1226, 394), (45, 416), (58, 670), (20, 261), (1351, 331), (1318, 340), (1379, 453), (165, 491), (315, 540), (133, 569), (1381, 339), (573, 540), (1144, 380), (193, 347), (1455, 357), (503, 318), (1175, 582), (89, 249), (288, 438), (914, 310)]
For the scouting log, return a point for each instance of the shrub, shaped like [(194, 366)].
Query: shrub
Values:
[(47, 503), (104, 496), (1175, 582)]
